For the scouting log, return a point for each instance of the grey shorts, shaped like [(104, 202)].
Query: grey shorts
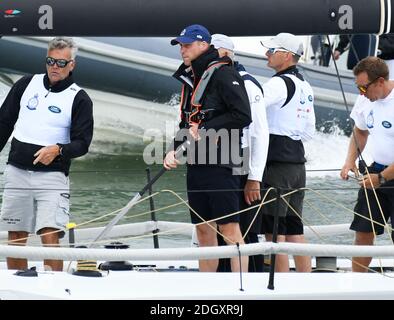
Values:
[(287, 176), (33, 200)]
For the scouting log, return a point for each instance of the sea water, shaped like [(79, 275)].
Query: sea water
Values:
[(105, 179)]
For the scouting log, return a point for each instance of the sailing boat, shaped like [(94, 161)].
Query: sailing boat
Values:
[(192, 285)]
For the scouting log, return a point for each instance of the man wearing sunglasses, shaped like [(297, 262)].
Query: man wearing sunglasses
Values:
[(373, 115), (52, 122), (291, 120)]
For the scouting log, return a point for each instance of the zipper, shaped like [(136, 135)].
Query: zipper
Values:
[(49, 90)]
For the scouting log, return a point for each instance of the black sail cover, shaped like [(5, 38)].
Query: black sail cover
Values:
[(145, 18)]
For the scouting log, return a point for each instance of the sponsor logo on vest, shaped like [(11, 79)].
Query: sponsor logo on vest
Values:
[(310, 98), (302, 97), (33, 102), (386, 124), (54, 109), (370, 120)]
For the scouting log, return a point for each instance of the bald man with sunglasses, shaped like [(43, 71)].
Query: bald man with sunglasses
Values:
[(51, 119), (373, 115), (291, 121)]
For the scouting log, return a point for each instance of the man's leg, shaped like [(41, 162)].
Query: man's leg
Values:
[(281, 260), (360, 264), (224, 263), (232, 235), (256, 263), (207, 238), (17, 238), (302, 263), (50, 238)]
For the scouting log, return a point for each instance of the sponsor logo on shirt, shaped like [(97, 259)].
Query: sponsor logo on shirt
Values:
[(235, 83), (54, 109), (370, 120), (386, 124), (33, 102)]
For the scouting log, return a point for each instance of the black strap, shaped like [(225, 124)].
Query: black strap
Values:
[(290, 85), (249, 77)]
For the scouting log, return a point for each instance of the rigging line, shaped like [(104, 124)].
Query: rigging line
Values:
[(370, 214), (116, 211), (347, 209), (257, 212), (145, 212), (175, 190), (182, 228), (138, 171), (322, 238), (379, 205), (316, 209), (351, 44), (345, 101), (356, 142)]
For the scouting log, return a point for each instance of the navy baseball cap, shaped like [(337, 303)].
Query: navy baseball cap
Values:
[(195, 32)]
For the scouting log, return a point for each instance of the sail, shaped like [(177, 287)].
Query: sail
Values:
[(167, 18)]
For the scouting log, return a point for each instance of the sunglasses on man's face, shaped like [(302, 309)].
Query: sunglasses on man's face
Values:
[(364, 88), (61, 63), (274, 50)]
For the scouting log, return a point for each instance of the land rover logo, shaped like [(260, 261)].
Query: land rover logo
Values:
[(386, 124), (54, 109)]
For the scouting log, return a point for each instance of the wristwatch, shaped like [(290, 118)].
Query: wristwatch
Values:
[(60, 149), (381, 178)]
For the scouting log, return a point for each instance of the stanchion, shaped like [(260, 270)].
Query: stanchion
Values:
[(152, 208), (278, 192)]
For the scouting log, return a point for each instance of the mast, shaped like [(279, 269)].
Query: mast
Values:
[(145, 18)]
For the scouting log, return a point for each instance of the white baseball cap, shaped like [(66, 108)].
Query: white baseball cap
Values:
[(222, 41), (285, 41)]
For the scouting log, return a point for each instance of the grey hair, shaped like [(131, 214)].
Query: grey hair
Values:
[(62, 43)]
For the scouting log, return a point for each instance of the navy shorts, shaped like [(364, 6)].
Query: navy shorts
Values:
[(203, 183), (386, 200)]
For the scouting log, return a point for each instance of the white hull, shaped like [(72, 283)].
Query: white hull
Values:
[(117, 285)]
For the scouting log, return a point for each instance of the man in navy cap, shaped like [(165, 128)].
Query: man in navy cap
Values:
[(214, 110)]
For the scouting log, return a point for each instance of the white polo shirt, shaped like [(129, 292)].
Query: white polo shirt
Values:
[(378, 118)]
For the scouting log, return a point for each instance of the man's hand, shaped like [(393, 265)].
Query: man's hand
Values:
[(47, 154), (170, 162), (368, 183), (337, 54), (346, 168), (252, 191), (193, 130)]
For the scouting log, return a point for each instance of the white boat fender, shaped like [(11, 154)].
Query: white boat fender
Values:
[(116, 265)]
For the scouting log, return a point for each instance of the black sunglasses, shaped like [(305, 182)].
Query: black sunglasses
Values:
[(61, 63)]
